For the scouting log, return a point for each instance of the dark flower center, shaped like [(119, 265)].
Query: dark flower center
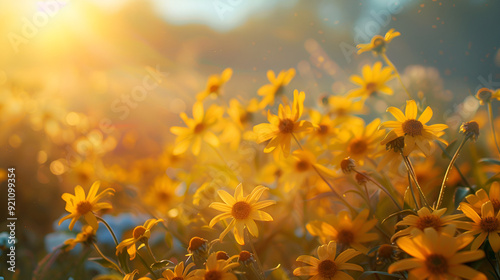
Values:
[(302, 165), (323, 129), (327, 269), (213, 275), (436, 264), (489, 224), (345, 237), (241, 210), (429, 221), (83, 207), (286, 126), (357, 146), (199, 128), (412, 127)]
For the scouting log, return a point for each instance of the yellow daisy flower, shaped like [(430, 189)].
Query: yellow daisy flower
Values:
[(360, 143), (161, 196), (216, 269), (345, 231), (425, 219), (436, 256), (326, 127), (487, 225), (140, 233), (179, 272), (378, 43), (280, 128), (415, 131), (79, 206), (243, 209), (477, 200), (328, 266), (240, 117), (87, 235), (198, 129), (214, 84), (373, 81), (275, 88)]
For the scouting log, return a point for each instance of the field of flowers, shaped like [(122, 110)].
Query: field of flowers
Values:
[(375, 179)]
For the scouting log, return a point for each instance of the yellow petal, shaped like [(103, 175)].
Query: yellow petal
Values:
[(411, 110)]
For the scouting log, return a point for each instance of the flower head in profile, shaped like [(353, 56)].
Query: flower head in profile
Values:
[(486, 225), (198, 129), (378, 43), (373, 81), (329, 266), (275, 88), (86, 236), (244, 210), (435, 255), (425, 219), (417, 135), (216, 269), (78, 205), (346, 231), (214, 84), (484, 95), (281, 128), (179, 272), (140, 233), (477, 200)]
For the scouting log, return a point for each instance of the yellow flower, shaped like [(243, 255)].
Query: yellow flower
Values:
[(477, 200), (281, 128), (372, 82), (243, 209), (87, 235), (487, 225), (346, 231), (214, 84), (240, 118), (425, 219), (326, 127), (216, 269), (415, 131), (328, 266), (436, 256), (140, 233), (198, 129), (360, 143), (79, 206), (275, 88), (179, 272), (161, 196), (378, 43)]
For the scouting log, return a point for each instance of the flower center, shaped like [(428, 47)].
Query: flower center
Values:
[(378, 43), (323, 129), (213, 275), (195, 243), (163, 196), (385, 251), (302, 165), (177, 278), (429, 221), (436, 264), (357, 146), (214, 89), (371, 87), (489, 224), (412, 127), (244, 256), (199, 128), (245, 117), (345, 237), (241, 210), (327, 269), (286, 126), (139, 232), (221, 255), (83, 207)]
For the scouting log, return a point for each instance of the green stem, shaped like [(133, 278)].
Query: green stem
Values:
[(259, 264), (149, 250), (106, 258), (146, 265), (411, 190), (409, 166), (464, 180), (386, 59), (492, 123), (380, 187), (109, 229), (445, 178)]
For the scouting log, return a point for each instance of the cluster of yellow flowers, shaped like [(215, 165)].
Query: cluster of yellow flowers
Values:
[(330, 176)]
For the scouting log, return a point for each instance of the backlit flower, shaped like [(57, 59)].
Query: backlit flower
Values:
[(243, 209), (378, 43), (79, 205), (477, 200), (435, 256), (373, 81), (415, 131), (86, 236), (486, 225), (329, 266), (197, 130), (280, 128), (214, 84), (275, 88), (216, 269), (140, 233), (179, 272)]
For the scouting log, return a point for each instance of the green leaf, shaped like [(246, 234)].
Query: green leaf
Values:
[(161, 264), (489, 161), (368, 273), (460, 194), (105, 263)]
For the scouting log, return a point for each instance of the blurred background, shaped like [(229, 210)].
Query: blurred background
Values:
[(81, 80)]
